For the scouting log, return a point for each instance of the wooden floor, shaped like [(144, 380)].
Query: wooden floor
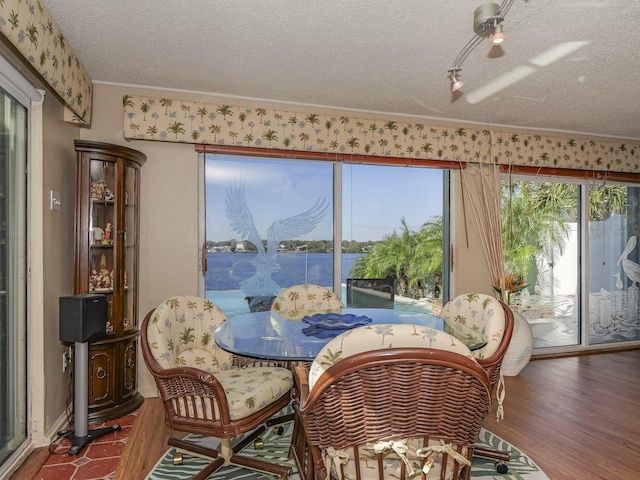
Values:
[(576, 417)]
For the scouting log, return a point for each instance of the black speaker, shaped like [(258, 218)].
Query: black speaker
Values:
[(82, 317)]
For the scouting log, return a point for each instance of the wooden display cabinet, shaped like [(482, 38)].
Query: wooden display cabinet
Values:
[(106, 261)]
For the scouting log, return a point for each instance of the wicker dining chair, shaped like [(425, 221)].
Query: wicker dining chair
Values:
[(494, 319), (206, 390), (389, 401), (296, 301)]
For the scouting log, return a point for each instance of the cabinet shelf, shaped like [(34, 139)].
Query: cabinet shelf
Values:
[(106, 262)]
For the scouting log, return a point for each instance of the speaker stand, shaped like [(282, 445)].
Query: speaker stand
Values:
[(82, 436)]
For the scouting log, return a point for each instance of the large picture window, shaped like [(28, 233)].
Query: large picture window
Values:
[(272, 223)]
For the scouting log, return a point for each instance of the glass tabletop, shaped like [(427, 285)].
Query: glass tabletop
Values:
[(268, 335)]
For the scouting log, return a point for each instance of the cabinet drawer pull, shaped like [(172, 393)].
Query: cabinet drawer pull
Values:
[(101, 373)]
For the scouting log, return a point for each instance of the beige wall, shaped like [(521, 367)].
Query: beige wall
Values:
[(58, 174)]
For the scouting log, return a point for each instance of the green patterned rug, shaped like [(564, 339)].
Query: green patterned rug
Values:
[(276, 447)]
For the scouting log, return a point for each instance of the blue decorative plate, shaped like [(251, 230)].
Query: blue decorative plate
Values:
[(339, 321), (328, 325)]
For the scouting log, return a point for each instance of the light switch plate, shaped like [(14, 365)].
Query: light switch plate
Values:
[(56, 203)]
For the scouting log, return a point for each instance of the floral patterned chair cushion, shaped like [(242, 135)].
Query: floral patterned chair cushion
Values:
[(373, 337), (180, 334), (480, 312), (295, 302)]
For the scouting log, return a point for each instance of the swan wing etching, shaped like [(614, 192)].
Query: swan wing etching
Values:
[(241, 221), (240, 217), (295, 226)]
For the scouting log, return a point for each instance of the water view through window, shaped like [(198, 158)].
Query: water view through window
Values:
[(270, 225)]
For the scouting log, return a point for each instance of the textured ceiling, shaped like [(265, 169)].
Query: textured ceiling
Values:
[(570, 66)]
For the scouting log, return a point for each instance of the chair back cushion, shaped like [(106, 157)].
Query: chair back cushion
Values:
[(295, 302), (180, 334), (480, 312), (375, 337)]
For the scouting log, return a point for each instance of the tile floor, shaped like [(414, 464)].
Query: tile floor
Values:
[(96, 461)]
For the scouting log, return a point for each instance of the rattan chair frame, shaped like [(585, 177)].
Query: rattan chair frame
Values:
[(391, 393), (192, 386), (493, 364)]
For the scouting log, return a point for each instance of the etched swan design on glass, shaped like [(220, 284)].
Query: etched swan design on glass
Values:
[(241, 221)]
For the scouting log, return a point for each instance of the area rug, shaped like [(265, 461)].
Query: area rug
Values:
[(276, 448)]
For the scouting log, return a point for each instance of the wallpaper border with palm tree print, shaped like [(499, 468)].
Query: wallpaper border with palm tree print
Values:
[(186, 121), (31, 29)]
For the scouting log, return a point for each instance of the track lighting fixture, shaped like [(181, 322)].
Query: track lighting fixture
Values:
[(456, 82), (487, 22), (498, 37)]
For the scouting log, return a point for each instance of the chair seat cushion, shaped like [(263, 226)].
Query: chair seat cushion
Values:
[(250, 389), (394, 454)]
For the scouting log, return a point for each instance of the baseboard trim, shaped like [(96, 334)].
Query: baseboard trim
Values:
[(150, 392)]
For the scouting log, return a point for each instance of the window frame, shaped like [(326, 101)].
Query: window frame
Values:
[(336, 159), (583, 179), (32, 286)]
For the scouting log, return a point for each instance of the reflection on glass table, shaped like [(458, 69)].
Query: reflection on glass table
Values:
[(267, 335)]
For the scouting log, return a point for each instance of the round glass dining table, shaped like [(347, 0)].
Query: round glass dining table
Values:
[(267, 335)]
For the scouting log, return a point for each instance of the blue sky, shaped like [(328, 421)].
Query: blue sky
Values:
[(375, 198)]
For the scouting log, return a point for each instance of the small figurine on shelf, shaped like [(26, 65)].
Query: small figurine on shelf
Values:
[(97, 189), (108, 194), (107, 234), (98, 234), (93, 280), (105, 279)]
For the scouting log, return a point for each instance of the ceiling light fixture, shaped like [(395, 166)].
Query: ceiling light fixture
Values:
[(498, 37), (456, 83), (487, 21)]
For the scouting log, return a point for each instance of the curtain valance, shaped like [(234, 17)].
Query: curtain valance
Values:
[(174, 120), (32, 31)]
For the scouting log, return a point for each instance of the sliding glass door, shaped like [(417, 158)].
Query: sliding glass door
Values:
[(13, 188), (272, 223), (575, 244), (541, 241), (269, 225), (393, 233), (614, 264)]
